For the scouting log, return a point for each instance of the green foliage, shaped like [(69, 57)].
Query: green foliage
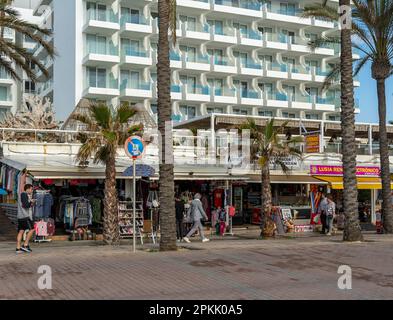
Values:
[(109, 130), (14, 55), (267, 145)]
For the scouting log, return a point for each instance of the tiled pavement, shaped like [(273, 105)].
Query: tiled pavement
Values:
[(303, 268)]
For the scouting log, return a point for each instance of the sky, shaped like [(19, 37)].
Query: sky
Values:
[(367, 95)]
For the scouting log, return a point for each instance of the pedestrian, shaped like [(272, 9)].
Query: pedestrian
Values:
[(197, 214), (179, 207), (322, 212), (25, 218), (330, 212)]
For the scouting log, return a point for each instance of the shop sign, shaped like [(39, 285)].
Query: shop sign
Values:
[(312, 143), (322, 170), (290, 162)]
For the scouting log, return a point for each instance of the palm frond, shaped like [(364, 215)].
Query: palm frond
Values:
[(102, 114), (124, 113)]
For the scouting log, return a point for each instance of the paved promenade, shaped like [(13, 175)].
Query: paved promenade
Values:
[(303, 268)]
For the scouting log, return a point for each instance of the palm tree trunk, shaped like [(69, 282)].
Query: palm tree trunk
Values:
[(266, 196), (352, 231), (111, 224), (387, 209), (167, 188)]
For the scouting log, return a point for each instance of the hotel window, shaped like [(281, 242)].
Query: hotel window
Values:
[(267, 4), (96, 44), (130, 15), (288, 9), (240, 111), (218, 26), (211, 110), (96, 77), (265, 113), (312, 116), (289, 115), (187, 112), (267, 89), (29, 86), (131, 79), (190, 52), (190, 82), (218, 56), (334, 118), (96, 11), (217, 84), (190, 21), (3, 112), (267, 32), (241, 27), (289, 36), (291, 92)]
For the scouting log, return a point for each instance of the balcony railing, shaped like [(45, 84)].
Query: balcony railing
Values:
[(137, 85), (102, 15), (109, 49), (240, 4), (107, 82), (134, 19), (130, 52)]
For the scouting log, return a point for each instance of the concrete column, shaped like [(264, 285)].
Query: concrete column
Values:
[(322, 137), (370, 139)]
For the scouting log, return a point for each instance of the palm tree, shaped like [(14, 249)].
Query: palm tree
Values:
[(166, 23), (268, 147), (110, 129), (14, 55), (352, 230), (372, 28)]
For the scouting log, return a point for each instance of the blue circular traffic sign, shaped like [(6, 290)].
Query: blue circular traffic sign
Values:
[(134, 147)]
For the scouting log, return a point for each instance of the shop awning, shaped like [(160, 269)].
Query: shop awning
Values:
[(368, 183), (292, 179)]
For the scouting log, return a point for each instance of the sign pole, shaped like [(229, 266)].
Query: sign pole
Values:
[(134, 205)]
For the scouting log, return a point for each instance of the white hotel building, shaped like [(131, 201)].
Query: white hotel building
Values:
[(231, 57)]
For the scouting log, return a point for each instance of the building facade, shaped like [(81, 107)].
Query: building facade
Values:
[(231, 57)]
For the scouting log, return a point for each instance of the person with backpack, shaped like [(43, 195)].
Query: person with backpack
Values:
[(330, 213), (197, 214)]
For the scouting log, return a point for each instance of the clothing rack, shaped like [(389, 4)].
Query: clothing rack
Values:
[(41, 223)]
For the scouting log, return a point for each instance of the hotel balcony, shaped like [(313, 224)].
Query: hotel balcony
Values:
[(224, 96), (105, 57), (194, 6), (298, 73), (6, 98), (198, 93), (197, 62), (222, 65), (101, 22), (48, 64), (249, 97), (277, 100), (5, 78), (275, 70), (249, 38), (286, 18), (135, 90), (249, 68), (136, 26), (221, 36), (101, 88), (227, 8), (193, 34), (45, 89), (175, 60), (38, 50), (131, 58), (176, 92)]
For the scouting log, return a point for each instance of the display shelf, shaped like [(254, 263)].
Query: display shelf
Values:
[(126, 219)]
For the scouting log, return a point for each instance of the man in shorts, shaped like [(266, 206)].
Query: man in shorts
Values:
[(25, 218)]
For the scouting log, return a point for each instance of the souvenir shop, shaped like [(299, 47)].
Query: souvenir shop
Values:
[(216, 201), (70, 207)]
